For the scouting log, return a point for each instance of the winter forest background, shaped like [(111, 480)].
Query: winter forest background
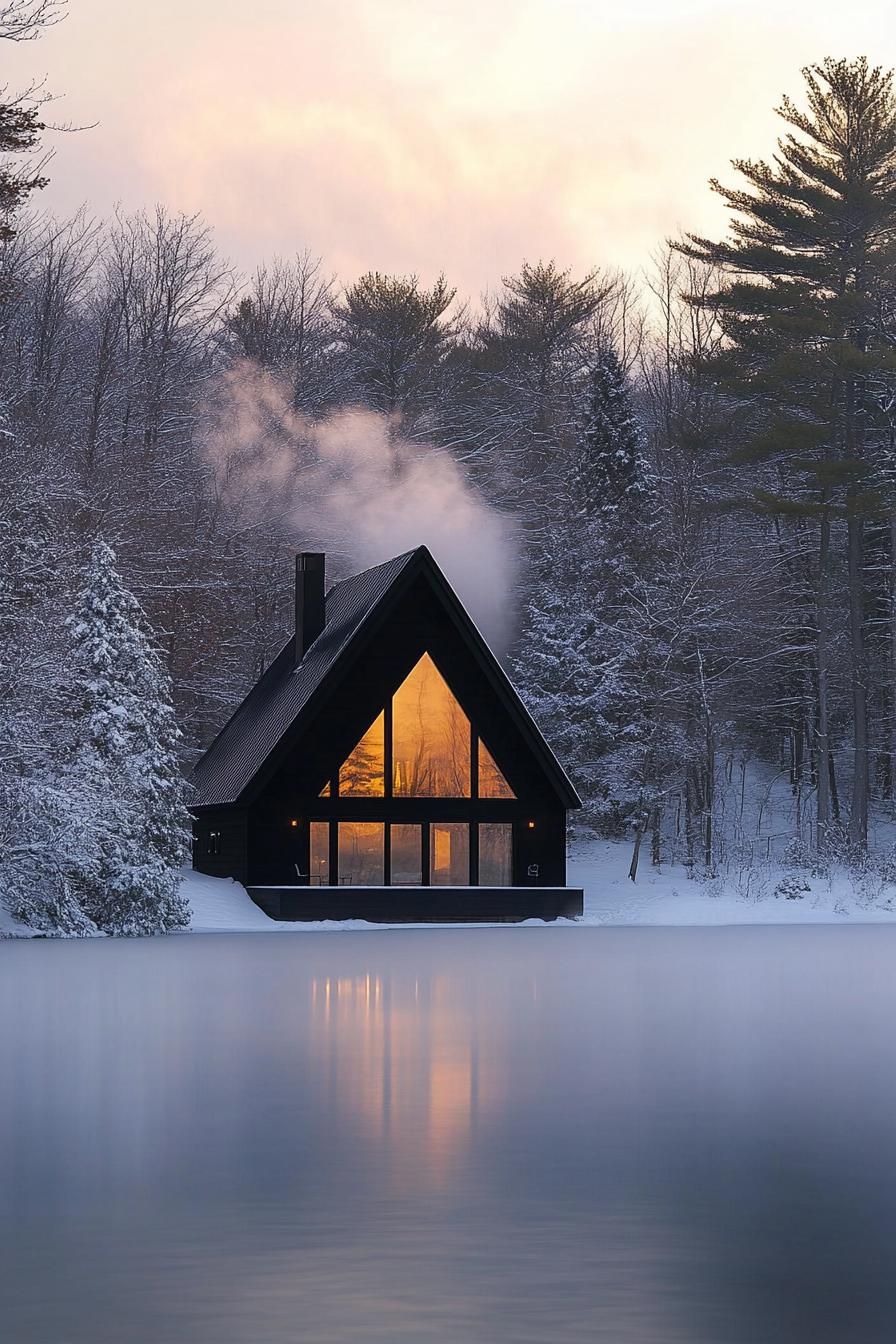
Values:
[(674, 494)]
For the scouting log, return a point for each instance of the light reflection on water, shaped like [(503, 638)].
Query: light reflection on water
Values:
[(408, 1062), (643, 1136)]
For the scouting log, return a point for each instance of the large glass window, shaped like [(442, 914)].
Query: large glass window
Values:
[(492, 783), (430, 737), (430, 747), (320, 853), (363, 774), (496, 854), (361, 853), (406, 852), (449, 854)]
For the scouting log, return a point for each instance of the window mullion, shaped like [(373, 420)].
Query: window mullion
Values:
[(387, 749)]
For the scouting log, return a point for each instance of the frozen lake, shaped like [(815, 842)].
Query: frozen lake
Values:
[(629, 1136)]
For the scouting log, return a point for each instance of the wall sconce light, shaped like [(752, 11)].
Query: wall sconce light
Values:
[(531, 825), (293, 822)]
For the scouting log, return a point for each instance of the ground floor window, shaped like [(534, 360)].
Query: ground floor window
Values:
[(449, 854), (496, 854), (360, 853), (320, 854), (406, 855), (440, 852)]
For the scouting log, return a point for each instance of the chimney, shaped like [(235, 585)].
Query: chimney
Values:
[(310, 618)]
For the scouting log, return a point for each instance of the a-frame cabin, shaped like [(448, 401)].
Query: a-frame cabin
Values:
[(384, 767)]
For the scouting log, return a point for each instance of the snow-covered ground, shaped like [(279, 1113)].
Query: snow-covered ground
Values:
[(11, 928), (220, 905), (665, 895)]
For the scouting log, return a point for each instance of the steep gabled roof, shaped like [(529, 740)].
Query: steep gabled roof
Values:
[(276, 701), (286, 693)]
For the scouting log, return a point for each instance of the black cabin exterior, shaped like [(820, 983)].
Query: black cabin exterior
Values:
[(384, 767)]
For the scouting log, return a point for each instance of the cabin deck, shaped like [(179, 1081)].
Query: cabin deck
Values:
[(420, 905)]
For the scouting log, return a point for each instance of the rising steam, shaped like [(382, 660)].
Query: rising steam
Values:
[(351, 485)]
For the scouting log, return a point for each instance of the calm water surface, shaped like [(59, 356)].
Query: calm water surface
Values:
[(517, 1135)]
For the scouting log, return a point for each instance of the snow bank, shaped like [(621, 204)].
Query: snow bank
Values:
[(11, 928), (667, 895), (220, 905), (661, 896)]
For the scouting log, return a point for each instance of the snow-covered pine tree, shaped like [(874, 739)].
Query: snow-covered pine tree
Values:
[(572, 678), (35, 833), (123, 766), (609, 473), (584, 658)]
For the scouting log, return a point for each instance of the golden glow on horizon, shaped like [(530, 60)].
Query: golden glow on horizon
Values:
[(410, 135)]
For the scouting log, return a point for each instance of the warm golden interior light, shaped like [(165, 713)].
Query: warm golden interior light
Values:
[(531, 825), (325, 791), (430, 737), (293, 822), (363, 774), (492, 783), (496, 854), (360, 845), (320, 853), (406, 855), (449, 854)]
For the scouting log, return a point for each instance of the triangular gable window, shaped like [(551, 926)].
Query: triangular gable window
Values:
[(492, 783), (325, 791), (430, 737), (363, 774), (430, 747)]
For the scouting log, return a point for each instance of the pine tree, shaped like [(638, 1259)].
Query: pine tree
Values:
[(123, 768), (20, 123), (394, 336), (810, 254), (584, 657), (609, 473), (35, 829)]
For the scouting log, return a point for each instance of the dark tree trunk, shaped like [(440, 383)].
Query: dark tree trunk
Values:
[(823, 810), (858, 812)]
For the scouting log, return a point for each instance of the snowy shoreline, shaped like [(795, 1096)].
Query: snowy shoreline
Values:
[(662, 897)]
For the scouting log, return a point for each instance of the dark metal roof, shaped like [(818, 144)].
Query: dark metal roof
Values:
[(278, 698)]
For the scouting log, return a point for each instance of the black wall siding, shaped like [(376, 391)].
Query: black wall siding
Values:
[(292, 732)]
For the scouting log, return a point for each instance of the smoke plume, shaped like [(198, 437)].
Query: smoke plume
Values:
[(352, 486)]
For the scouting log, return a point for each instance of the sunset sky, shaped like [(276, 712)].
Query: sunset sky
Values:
[(428, 135)]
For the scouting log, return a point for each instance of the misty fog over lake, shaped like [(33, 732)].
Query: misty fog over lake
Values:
[(503, 1135)]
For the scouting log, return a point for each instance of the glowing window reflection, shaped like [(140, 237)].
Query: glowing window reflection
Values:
[(406, 855), (449, 854), (496, 854), (320, 853), (492, 783), (361, 853), (430, 738), (363, 774)]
